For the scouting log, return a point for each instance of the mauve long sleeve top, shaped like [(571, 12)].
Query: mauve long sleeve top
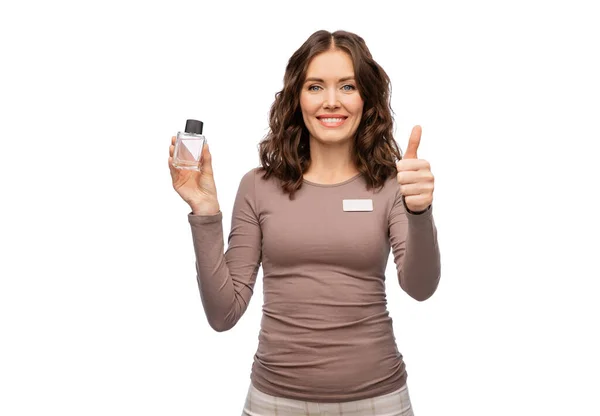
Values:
[(326, 334)]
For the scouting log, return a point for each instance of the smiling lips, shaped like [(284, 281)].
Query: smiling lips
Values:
[(332, 120)]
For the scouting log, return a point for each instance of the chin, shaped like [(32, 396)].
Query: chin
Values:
[(332, 140), (331, 137)]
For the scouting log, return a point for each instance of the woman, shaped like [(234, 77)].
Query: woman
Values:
[(321, 215)]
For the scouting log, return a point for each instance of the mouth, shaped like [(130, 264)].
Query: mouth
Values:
[(332, 120)]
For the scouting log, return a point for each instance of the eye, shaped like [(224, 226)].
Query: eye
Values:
[(314, 88), (348, 87)]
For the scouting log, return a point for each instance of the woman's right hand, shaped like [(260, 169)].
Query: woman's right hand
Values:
[(197, 188)]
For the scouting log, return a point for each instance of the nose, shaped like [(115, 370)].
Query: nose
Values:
[(331, 99)]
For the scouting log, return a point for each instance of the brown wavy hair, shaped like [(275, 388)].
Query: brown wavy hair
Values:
[(285, 151)]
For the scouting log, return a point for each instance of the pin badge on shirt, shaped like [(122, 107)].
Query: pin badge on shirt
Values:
[(357, 204)]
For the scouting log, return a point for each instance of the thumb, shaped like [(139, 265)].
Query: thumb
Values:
[(413, 143), (206, 160)]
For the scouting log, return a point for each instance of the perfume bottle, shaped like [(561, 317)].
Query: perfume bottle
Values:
[(188, 147)]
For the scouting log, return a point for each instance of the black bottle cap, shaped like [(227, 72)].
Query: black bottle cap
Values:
[(193, 126)]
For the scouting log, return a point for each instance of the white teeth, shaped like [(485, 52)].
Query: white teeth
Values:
[(332, 120)]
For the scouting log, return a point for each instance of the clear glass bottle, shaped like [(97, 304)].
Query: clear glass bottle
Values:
[(188, 147)]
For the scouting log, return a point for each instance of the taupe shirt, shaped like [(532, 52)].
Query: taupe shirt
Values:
[(326, 334)]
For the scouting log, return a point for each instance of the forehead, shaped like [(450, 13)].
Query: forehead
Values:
[(330, 64)]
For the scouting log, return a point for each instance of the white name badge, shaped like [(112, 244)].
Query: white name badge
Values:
[(357, 204)]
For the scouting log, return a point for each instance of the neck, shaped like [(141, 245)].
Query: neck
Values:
[(330, 163)]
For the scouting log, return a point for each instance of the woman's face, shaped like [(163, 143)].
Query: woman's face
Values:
[(330, 103)]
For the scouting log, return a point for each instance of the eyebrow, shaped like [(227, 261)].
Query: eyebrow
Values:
[(320, 80)]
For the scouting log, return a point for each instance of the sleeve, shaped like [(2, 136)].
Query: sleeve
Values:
[(226, 279), (413, 238)]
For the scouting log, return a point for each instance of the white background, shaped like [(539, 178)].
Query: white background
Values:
[(99, 307)]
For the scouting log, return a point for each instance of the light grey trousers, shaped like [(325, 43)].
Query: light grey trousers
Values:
[(396, 403)]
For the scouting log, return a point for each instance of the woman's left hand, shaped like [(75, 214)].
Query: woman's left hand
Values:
[(414, 176)]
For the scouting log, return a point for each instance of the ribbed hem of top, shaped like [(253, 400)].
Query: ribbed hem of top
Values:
[(424, 216), (204, 219)]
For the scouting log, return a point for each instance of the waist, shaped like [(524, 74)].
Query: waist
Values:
[(328, 386), (335, 363)]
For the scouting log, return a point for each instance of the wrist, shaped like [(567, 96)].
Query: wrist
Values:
[(204, 209), (415, 210)]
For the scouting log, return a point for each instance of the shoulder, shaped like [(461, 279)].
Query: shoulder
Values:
[(250, 176), (253, 175), (255, 179), (390, 189)]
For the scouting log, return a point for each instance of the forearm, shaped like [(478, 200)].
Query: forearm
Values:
[(420, 273), (224, 297)]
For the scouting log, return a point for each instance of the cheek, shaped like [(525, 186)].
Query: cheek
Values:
[(355, 105), (307, 105)]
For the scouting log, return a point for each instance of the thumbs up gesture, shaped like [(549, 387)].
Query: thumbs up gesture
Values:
[(414, 176)]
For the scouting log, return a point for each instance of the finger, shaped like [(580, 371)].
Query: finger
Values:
[(420, 188), (411, 189), (413, 143), (412, 164), (172, 168), (411, 176), (406, 177), (422, 201), (173, 140), (171, 150)]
